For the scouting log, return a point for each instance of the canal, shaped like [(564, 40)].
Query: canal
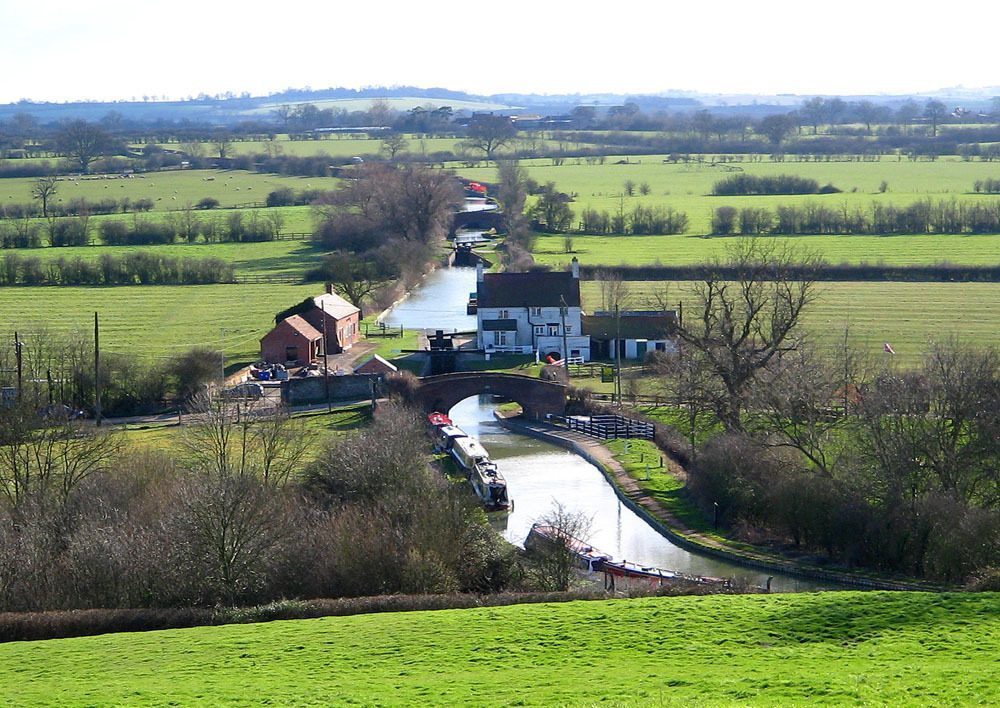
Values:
[(539, 473)]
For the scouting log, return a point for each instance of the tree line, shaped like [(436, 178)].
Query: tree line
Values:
[(140, 268), (829, 454), (922, 217), (235, 514)]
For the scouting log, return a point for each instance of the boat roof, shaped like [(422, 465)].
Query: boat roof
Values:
[(451, 431), (438, 418)]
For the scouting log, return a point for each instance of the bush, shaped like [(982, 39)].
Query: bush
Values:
[(281, 197), (69, 232), (207, 203)]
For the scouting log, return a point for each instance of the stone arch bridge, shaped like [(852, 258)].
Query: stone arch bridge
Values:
[(538, 398)]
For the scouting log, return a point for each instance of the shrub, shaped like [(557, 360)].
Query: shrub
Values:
[(207, 203)]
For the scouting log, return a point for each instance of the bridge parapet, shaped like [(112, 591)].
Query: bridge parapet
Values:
[(538, 398)]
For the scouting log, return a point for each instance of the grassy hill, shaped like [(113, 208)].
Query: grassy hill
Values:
[(834, 648)]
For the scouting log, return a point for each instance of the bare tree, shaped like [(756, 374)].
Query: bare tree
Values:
[(748, 311), (555, 554), (243, 438), (223, 142), (489, 133), (44, 458), (83, 142), (44, 189), (393, 144)]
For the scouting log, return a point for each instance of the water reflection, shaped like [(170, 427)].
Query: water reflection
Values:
[(539, 473), (438, 302)]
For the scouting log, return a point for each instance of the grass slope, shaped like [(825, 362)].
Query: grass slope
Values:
[(154, 321), (829, 648)]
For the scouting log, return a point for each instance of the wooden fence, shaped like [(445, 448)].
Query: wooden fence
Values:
[(611, 427)]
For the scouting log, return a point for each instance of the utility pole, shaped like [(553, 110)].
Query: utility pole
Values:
[(20, 370), (97, 371), (326, 364), (618, 355), (562, 313)]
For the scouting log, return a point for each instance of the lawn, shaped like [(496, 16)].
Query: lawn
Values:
[(906, 315), (829, 648)]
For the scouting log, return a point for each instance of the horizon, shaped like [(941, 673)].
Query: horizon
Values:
[(863, 50)]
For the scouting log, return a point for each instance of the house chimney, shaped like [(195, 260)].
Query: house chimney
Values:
[(576, 268), (329, 288), (479, 271)]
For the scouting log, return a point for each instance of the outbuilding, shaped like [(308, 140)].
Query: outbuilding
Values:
[(633, 333), (293, 340)]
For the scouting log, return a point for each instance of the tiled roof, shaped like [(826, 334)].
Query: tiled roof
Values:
[(529, 290), (302, 327), (334, 305), (632, 326)]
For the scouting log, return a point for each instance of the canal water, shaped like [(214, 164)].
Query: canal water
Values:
[(539, 473)]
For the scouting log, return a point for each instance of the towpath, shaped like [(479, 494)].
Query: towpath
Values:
[(668, 524)]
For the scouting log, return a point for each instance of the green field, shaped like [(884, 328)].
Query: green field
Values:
[(686, 250), (830, 648), (907, 315), (155, 321), (685, 187), (288, 257), (168, 190)]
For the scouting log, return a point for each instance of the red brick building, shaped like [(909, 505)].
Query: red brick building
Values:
[(343, 320), (292, 340)]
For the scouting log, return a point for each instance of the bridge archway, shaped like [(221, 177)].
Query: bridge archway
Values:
[(538, 398)]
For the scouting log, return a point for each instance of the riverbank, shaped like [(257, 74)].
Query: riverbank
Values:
[(670, 526)]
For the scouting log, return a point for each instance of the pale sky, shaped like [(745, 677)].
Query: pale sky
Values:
[(58, 50)]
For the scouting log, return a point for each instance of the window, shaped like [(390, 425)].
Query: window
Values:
[(569, 329), (539, 329), (553, 330), (499, 339), (504, 315), (291, 353), (536, 312)]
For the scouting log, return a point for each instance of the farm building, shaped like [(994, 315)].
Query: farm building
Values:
[(634, 333), (292, 340), (376, 365), (531, 312), (341, 319)]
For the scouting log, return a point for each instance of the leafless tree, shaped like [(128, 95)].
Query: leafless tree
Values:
[(44, 189), (747, 313), (393, 144), (489, 133), (555, 557), (43, 458), (83, 142)]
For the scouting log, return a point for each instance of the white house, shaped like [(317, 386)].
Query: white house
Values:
[(632, 333), (531, 312)]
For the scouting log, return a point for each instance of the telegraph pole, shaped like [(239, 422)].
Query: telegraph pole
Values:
[(618, 355), (20, 370), (97, 371), (562, 314), (326, 364)]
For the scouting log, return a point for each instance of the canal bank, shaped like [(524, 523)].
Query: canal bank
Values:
[(653, 513)]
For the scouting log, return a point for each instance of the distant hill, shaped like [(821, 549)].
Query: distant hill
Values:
[(230, 109)]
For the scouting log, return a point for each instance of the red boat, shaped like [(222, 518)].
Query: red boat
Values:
[(438, 419)]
